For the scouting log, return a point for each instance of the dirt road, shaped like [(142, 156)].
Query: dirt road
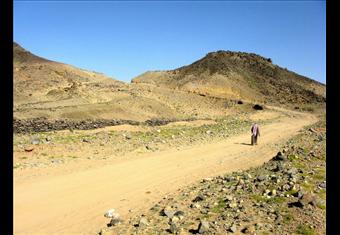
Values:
[(74, 203)]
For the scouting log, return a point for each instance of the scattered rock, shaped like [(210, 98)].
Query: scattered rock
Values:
[(279, 157), (179, 214), (273, 192), (233, 228), (35, 141), (203, 227), (174, 228), (248, 230), (207, 180), (298, 204), (232, 205), (195, 205), (143, 222), (298, 194), (111, 214), (127, 136), (257, 107), (168, 212), (115, 222), (105, 232), (322, 185), (261, 178), (198, 198), (229, 198), (29, 149), (308, 199)]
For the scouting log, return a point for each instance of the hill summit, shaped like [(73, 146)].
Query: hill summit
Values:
[(231, 74)]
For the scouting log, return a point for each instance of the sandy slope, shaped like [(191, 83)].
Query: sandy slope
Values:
[(74, 203)]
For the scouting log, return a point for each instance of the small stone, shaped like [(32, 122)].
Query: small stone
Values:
[(143, 222), (168, 212), (35, 141), (273, 193), (232, 205), (308, 199), (198, 198), (105, 232), (258, 225), (174, 228), (298, 204), (233, 228), (322, 185), (111, 214), (179, 214), (128, 137), (115, 221), (203, 227), (241, 182), (195, 205), (261, 178), (207, 179), (280, 157), (249, 230), (298, 194), (174, 219), (29, 149), (229, 198)]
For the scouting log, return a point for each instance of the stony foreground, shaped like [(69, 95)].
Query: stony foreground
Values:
[(286, 195)]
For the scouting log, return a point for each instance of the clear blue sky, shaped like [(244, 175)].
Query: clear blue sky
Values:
[(125, 39)]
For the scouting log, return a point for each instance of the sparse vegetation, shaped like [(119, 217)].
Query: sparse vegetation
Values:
[(64, 114)]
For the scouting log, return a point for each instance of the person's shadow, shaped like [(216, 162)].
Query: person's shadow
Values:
[(244, 144)]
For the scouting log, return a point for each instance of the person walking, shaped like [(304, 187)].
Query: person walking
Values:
[(255, 132)]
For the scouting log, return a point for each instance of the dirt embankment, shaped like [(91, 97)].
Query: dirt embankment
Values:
[(44, 125)]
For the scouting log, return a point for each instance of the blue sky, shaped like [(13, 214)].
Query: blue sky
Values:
[(125, 39)]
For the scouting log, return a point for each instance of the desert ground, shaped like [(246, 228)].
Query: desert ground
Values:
[(64, 186), (169, 151)]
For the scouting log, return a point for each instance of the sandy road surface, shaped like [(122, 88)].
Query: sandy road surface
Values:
[(74, 203)]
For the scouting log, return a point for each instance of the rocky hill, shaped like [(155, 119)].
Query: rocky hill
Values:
[(39, 80), (208, 88), (239, 75), (53, 90)]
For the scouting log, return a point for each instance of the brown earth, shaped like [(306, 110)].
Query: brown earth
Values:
[(65, 183), (239, 75), (73, 199), (208, 88)]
